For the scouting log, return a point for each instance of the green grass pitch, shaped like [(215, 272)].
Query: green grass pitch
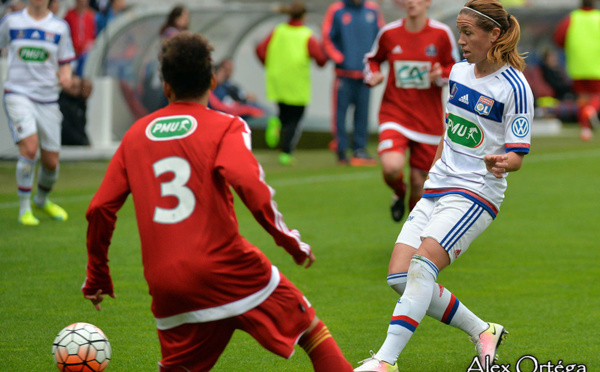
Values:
[(535, 270)]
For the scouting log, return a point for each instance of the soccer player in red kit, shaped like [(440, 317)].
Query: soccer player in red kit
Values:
[(205, 279), (420, 53)]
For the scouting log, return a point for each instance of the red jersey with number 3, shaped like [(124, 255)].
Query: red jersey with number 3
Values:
[(180, 164), (410, 98)]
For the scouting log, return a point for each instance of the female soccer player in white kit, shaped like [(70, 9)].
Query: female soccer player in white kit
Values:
[(39, 52), (488, 130)]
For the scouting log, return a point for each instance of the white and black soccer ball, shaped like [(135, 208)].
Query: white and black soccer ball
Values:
[(81, 347)]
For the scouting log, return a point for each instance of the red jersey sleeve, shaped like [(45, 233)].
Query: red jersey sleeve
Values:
[(101, 216), (560, 33), (261, 48), (238, 166), (376, 56), (315, 50)]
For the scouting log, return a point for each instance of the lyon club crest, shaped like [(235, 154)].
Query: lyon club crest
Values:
[(484, 106)]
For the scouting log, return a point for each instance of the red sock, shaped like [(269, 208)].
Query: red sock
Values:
[(323, 351), (397, 185)]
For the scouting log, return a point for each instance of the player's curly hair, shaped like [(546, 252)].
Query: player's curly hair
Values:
[(186, 64), (504, 49)]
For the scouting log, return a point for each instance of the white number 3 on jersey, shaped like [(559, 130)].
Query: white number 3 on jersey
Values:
[(177, 188)]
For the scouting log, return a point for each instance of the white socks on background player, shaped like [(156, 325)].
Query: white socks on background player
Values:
[(445, 307), (46, 180), (410, 309), (25, 169)]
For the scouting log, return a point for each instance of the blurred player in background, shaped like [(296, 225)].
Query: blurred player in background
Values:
[(39, 54), (488, 133), (349, 28), (420, 53), (180, 164), (579, 35), (286, 53)]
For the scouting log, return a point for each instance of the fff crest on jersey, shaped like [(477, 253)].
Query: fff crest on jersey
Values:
[(484, 106), (431, 50), (453, 89)]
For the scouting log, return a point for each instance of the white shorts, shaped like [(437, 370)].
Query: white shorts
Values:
[(26, 118), (452, 220)]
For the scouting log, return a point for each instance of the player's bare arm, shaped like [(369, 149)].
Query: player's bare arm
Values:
[(65, 76)]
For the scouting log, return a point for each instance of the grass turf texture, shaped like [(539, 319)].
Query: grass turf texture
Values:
[(535, 270)]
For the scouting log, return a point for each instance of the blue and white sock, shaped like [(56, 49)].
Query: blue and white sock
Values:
[(444, 307), (24, 174), (410, 309)]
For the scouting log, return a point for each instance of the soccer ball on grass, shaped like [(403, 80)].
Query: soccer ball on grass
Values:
[(81, 347)]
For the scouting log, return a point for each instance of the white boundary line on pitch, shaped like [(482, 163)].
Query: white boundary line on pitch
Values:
[(351, 176)]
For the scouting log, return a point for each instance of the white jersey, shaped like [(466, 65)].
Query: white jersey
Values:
[(35, 50), (490, 115)]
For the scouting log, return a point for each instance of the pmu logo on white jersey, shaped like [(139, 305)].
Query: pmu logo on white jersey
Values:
[(171, 127), (464, 99), (464, 132)]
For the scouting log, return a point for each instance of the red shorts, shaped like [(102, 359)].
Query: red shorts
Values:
[(421, 154), (277, 324)]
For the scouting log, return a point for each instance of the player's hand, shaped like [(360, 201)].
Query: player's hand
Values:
[(97, 298), (374, 79), (309, 261), (64, 80), (435, 75), (496, 164)]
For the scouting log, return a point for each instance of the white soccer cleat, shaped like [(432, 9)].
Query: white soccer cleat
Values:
[(373, 364), (488, 342)]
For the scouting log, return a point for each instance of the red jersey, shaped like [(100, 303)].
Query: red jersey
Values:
[(410, 99), (179, 164), (83, 29)]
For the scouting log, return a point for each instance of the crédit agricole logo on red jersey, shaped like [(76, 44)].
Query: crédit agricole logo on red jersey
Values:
[(168, 128)]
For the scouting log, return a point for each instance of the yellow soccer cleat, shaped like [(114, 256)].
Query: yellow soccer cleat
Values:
[(54, 211), (373, 364), (488, 342), (28, 219)]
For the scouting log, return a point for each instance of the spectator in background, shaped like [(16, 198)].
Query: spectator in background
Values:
[(73, 106), (420, 53), (286, 54), (579, 35), (152, 96), (54, 6), (15, 6), (82, 22), (178, 20), (227, 90), (106, 15), (349, 29)]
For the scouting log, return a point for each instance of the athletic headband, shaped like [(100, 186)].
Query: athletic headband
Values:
[(481, 14)]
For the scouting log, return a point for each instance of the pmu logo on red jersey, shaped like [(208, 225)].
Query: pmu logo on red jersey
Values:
[(169, 128)]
